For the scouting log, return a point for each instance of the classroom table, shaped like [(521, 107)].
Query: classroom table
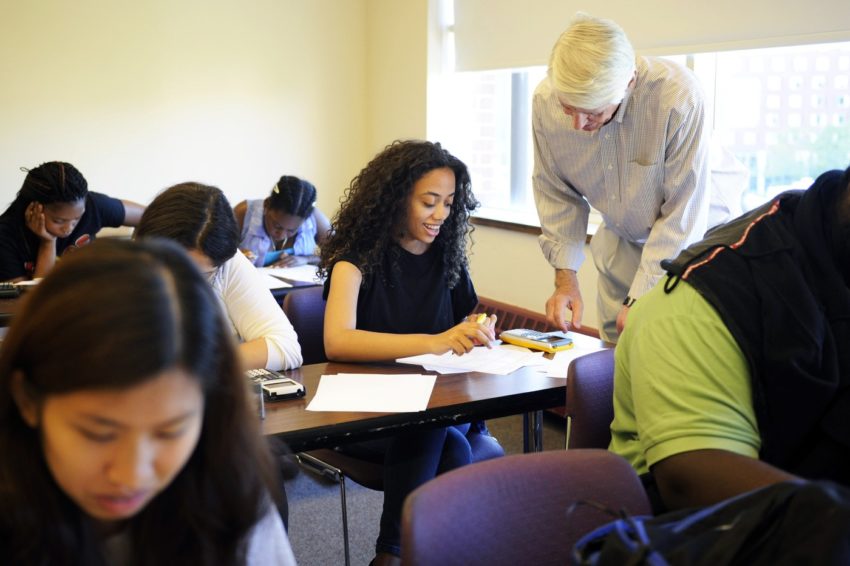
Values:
[(8, 307), (456, 398)]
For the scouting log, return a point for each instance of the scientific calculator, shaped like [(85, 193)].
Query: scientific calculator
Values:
[(546, 341), (274, 385)]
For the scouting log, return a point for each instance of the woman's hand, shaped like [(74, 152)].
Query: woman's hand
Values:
[(461, 338), (488, 321), (34, 216)]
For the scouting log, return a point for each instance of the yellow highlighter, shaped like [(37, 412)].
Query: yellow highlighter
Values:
[(481, 318)]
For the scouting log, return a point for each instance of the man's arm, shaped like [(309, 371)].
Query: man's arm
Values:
[(704, 477), (683, 217), (563, 215), (567, 295)]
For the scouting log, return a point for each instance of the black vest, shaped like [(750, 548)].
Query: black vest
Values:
[(773, 277)]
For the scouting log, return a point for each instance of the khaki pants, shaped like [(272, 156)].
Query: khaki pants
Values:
[(617, 262)]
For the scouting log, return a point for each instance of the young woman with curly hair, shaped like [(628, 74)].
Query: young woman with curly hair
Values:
[(397, 285)]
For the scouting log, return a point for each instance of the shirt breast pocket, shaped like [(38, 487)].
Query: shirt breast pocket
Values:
[(644, 177)]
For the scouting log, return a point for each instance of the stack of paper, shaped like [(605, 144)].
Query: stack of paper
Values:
[(500, 360), (274, 282), (582, 345), (306, 273), (507, 358), (373, 393)]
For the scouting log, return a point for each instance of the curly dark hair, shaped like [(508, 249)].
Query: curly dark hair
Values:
[(375, 206)]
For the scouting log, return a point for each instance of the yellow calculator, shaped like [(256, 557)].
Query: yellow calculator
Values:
[(547, 341)]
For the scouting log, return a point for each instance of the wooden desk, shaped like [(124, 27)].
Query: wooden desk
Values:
[(8, 307), (456, 399)]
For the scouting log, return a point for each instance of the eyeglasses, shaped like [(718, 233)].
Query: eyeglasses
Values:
[(572, 110)]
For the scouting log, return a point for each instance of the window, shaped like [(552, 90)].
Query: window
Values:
[(785, 131)]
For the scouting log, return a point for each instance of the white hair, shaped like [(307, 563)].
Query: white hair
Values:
[(592, 63)]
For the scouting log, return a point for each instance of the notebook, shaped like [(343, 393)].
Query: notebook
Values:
[(272, 257)]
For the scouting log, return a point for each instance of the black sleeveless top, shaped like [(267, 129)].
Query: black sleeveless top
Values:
[(414, 298)]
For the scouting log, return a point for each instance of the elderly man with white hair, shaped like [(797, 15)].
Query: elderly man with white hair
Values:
[(625, 135)]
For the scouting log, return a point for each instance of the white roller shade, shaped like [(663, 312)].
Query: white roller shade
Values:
[(498, 34)]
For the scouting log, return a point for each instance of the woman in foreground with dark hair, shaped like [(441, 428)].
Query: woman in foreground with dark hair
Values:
[(398, 286), (125, 430)]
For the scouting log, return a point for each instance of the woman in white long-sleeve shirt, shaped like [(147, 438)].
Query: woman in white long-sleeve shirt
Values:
[(200, 219)]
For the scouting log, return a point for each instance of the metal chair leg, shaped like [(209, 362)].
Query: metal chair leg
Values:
[(335, 474), (532, 434)]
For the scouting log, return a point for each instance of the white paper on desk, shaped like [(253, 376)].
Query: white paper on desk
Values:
[(274, 282), (306, 273), (500, 360), (557, 367), (373, 393)]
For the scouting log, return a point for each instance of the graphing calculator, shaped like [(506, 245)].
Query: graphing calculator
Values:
[(275, 386), (546, 341)]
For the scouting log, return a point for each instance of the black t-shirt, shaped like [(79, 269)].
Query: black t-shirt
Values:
[(414, 300), (19, 245)]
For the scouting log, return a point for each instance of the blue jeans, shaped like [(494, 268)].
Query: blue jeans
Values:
[(410, 459)]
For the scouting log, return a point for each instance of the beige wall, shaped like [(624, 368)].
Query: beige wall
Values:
[(141, 95), (397, 67), (509, 267)]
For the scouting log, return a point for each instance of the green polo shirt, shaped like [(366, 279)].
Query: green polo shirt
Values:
[(681, 382)]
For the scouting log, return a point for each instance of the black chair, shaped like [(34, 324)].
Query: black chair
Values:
[(520, 509), (305, 309)]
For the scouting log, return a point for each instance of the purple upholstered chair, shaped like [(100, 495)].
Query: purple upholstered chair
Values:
[(305, 309), (516, 509), (590, 400)]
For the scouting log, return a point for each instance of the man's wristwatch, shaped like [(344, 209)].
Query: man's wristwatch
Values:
[(628, 301)]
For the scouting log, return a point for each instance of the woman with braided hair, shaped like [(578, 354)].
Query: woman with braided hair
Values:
[(54, 213), (287, 220)]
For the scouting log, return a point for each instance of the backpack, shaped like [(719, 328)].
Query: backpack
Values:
[(785, 523)]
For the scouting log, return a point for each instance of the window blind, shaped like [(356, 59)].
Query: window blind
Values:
[(500, 34)]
